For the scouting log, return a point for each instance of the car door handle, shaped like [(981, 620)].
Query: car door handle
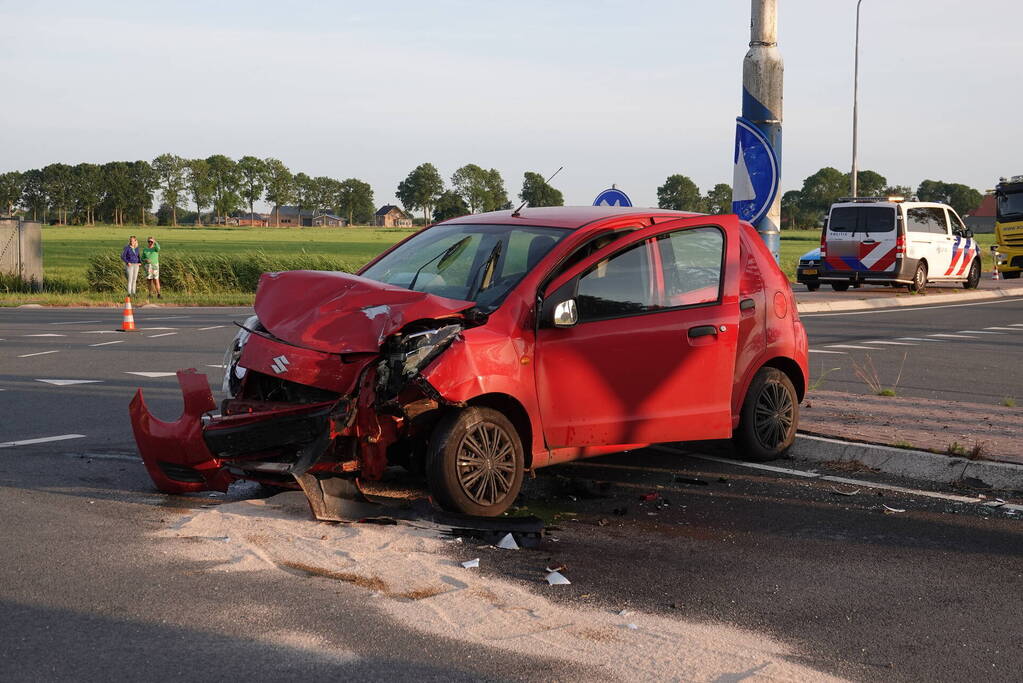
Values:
[(702, 331), (747, 304), (869, 242)]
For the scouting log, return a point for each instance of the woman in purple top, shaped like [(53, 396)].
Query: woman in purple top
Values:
[(131, 259)]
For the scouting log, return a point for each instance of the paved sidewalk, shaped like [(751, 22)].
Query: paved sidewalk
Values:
[(876, 296)]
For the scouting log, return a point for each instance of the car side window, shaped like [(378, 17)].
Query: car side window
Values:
[(691, 261), (939, 224), (956, 223), (618, 285)]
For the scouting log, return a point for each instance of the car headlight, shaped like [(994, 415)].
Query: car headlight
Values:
[(418, 349), (233, 374)]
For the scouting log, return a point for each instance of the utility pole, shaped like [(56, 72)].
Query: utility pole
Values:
[(762, 76), (856, 93)]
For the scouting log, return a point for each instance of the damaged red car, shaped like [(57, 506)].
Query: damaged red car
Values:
[(487, 346)]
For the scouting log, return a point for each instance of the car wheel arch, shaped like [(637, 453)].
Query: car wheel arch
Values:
[(512, 408), (787, 365)]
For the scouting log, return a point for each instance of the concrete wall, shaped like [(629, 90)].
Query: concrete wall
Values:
[(21, 250)]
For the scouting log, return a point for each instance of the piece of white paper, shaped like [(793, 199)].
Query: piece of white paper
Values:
[(508, 543), (557, 579), (471, 564)]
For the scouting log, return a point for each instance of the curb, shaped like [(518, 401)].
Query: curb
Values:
[(913, 464), (892, 302)]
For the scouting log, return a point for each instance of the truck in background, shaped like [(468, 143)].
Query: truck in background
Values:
[(1009, 227)]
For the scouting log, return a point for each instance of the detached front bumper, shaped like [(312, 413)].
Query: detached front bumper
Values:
[(200, 452)]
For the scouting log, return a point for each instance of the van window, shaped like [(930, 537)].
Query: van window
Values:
[(862, 219), (926, 219), (953, 220)]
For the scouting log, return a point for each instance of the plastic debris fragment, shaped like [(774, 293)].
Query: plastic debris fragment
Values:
[(891, 511), (471, 564), (557, 579), (835, 489), (508, 543)]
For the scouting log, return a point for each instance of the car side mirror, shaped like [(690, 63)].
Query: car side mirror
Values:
[(566, 314), (967, 233)]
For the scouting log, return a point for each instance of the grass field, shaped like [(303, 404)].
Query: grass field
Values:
[(67, 250)]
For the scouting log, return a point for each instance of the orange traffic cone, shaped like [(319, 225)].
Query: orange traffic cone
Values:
[(995, 274), (128, 325)]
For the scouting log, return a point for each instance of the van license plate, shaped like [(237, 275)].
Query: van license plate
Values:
[(810, 271)]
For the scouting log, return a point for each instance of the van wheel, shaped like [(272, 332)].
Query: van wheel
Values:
[(475, 462), (769, 417), (919, 282), (973, 278), (813, 287), (840, 286)]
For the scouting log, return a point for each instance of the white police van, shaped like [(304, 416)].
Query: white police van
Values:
[(890, 241)]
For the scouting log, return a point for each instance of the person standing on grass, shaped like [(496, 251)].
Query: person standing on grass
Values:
[(151, 257), (131, 259)]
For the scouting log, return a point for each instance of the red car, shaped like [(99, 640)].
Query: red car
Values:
[(489, 345)]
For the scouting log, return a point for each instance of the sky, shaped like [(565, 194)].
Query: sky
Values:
[(616, 92)]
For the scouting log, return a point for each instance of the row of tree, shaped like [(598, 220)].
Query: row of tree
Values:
[(114, 191)]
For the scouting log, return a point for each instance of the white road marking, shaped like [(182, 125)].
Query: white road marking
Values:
[(41, 353), (168, 317), (68, 382), (155, 329), (979, 332), (118, 341), (911, 309), (1010, 329), (44, 335), (108, 456), (77, 322), (936, 341), (103, 332), (850, 346), (1016, 324), (952, 336), (898, 343), (216, 366), (823, 351), (47, 439), (214, 327), (164, 334), (816, 475), (152, 374)]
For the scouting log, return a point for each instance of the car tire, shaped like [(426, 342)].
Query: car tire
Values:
[(973, 277), (475, 462), (769, 417), (919, 282), (840, 286), (814, 287)]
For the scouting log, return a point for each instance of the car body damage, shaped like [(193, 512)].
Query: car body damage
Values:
[(578, 332)]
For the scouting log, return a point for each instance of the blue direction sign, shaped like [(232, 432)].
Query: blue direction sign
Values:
[(612, 197), (755, 182)]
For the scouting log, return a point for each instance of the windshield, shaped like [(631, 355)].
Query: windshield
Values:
[(862, 219), (480, 263), (1010, 206)]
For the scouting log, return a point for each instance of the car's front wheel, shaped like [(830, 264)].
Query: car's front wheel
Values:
[(973, 278), (475, 462), (769, 417)]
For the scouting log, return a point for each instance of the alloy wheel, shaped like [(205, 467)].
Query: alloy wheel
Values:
[(486, 463), (773, 415)]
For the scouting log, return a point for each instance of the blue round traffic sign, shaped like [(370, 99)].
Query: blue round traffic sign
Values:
[(755, 181), (612, 197)]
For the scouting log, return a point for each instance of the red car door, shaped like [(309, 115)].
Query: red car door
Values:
[(652, 355)]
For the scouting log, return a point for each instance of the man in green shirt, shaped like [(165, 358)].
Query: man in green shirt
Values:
[(151, 260)]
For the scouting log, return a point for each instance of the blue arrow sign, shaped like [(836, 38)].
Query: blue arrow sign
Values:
[(755, 181), (612, 197)]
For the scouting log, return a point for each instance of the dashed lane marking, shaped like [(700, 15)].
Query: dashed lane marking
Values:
[(169, 317), (164, 334), (893, 343), (103, 332), (1010, 329), (216, 366), (936, 341), (76, 322), (910, 309), (214, 327), (823, 351), (978, 332), (155, 329), (46, 439), (41, 353), (44, 335), (952, 336), (851, 346), (118, 341), (151, 374), (68, 382)]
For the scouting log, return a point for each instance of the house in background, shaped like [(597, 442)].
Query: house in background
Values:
[(329, 220), (256, 220), (291, 216), (390, 216), (982, 219)]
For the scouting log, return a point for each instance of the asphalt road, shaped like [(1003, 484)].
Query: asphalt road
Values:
[(971, 351), (87, 592)]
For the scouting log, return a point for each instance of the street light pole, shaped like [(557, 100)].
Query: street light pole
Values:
[(856, 90)]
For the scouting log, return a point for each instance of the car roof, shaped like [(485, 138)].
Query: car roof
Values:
[(572, 217)]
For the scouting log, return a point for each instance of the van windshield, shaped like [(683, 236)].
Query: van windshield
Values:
[(480, 263), (862, 219)]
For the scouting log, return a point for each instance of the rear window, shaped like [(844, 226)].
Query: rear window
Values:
[(862, 219)]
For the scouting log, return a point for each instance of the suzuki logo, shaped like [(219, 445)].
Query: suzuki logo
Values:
[(280, 364)]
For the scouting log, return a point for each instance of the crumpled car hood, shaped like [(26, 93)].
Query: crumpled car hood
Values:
[(342, 313)]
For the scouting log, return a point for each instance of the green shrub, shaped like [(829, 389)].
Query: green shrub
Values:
[(205, 274)]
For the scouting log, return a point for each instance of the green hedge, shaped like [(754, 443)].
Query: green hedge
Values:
[(208, 274)]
